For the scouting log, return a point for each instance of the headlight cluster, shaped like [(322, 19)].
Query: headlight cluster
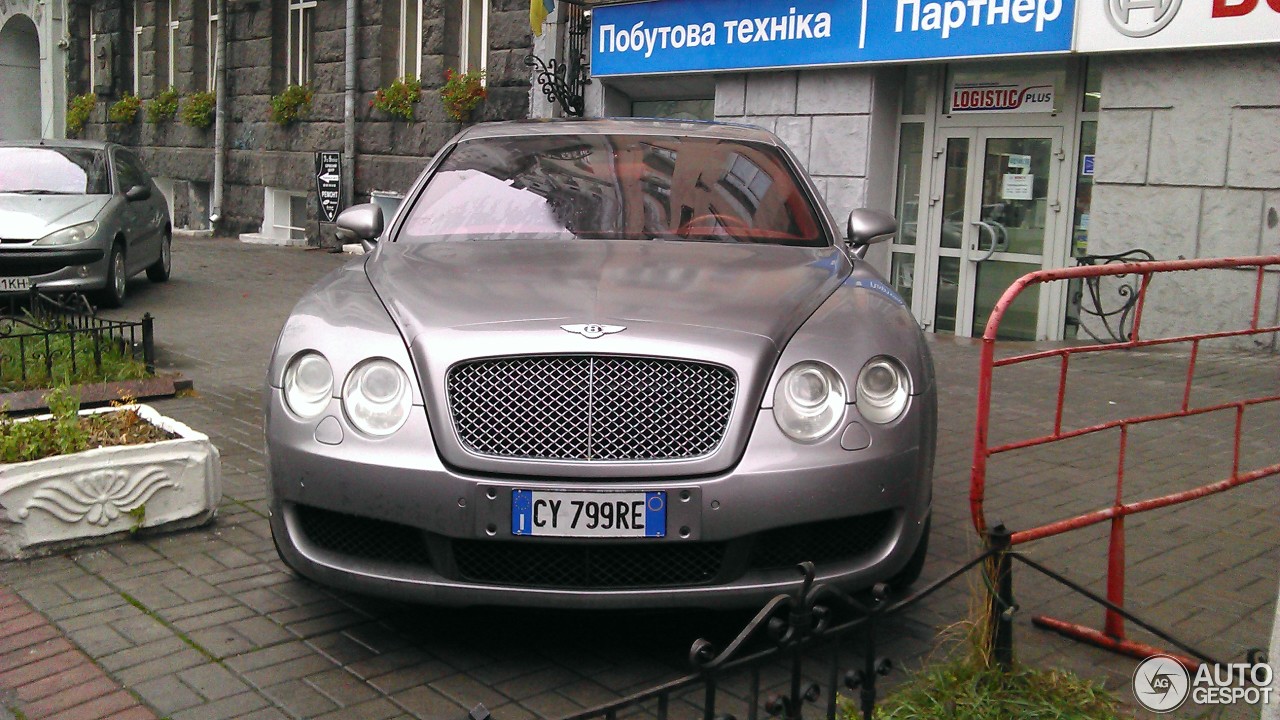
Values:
[(69, 236), (809, 399), (376, 396), (883, 390)]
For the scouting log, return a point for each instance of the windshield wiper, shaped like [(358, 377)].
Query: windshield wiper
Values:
[(42, 192)]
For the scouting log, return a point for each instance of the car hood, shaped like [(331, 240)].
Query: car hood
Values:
[(761, 290), (731, 305), (31, 217)]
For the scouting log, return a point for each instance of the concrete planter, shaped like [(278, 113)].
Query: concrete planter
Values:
[(103, 494)]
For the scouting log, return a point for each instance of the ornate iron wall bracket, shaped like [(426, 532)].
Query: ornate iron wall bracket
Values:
[(563, 83)]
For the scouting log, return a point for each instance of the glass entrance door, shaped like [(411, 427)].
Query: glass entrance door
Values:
[(994, 213)]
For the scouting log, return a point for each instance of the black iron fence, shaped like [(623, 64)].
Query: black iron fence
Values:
[(47, 341), (814, 652)]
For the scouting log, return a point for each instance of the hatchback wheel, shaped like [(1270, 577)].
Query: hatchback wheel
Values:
[(117, 277), (158, 271)]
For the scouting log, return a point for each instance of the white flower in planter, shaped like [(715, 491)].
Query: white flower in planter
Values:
[(68, 500)]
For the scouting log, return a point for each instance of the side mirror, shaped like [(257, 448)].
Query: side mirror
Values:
[(360, 223), (137, 192), (869, 226)]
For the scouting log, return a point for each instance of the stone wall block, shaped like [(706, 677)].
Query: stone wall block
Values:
[(1160, 219), (1270, 243), (771, 93), (843, 195), (374, 138), (835, 91), (1124, 141), (1188, 147), (796, 133), (1254, 160), (329, 45), (768, 122), (250, 82), (506, 67), (839, 145), (1135, 81), (250, 54), (1231, 223), (509, 30), (731, 93)]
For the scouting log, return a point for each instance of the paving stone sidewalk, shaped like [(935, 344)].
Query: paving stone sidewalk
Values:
[(208, 623)]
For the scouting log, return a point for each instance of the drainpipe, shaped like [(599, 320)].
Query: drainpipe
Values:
[(349, 110), (220, 116)]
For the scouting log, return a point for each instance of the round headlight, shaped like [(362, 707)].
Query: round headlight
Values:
[(376, 397), (883, 390), (809, 401), (308, 384)]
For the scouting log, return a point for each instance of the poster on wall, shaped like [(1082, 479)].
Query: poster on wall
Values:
[(1017, 186), (666, 36)]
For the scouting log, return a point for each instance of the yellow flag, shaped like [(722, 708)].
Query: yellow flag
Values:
[(537, 15)]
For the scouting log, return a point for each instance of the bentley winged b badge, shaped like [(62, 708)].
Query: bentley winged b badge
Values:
[(592, 330)]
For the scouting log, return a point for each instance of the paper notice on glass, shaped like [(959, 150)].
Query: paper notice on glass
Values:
[(1017, 186)]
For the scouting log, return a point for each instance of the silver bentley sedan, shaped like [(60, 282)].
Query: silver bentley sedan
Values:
[(603, 364)]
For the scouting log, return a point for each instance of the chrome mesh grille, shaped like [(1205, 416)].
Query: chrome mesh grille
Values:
[(590, 408)]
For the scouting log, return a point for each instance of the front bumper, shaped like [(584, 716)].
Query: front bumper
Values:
[(388, 517), (57, 270)]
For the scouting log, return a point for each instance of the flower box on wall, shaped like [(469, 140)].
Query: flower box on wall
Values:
[(103, 494)]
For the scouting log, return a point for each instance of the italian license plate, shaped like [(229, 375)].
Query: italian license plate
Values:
[(15, 284), (561, 513)]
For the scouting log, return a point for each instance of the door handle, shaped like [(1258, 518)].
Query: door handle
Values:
[(977, 246)]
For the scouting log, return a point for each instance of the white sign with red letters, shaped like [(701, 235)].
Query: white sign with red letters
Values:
[(1108, 25)]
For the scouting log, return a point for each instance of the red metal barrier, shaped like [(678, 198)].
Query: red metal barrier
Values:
[(1113, 636)]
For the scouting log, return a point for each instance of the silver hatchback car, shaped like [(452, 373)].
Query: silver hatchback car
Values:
[(603, 364), (79, 216)]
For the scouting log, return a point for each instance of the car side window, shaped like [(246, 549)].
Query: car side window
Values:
[(128, 171)]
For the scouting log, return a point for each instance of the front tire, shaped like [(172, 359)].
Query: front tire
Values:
[(117, 278), (158, 271)]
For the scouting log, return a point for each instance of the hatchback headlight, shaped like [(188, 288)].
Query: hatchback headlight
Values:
[(69, 236), (808, 401), (376, 397), (308, 384), (883, 390)]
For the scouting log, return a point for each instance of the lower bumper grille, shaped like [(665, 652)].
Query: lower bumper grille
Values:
[(596, 565), (822, 542), (364, 538), (593, 566)]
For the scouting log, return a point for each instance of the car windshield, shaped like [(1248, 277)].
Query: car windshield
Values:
[(53, 171), (614, 187)]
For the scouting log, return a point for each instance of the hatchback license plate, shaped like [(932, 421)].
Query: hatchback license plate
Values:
[(15, 284), (563, 513)]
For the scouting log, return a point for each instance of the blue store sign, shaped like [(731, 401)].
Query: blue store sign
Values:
[(667, 36)]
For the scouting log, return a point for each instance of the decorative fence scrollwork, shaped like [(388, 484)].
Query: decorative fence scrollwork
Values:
[(1113, 304)]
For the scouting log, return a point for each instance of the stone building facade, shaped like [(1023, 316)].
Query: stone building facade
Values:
[(269, 189)]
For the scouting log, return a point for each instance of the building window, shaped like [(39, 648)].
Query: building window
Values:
[(211, 47), (135, 53), (93, 53), (473, 51), (284, 215), (409, 40), (171, 44), (300, 12)]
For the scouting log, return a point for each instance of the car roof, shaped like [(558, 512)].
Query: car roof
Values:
[(59, 142), (619, 126)]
